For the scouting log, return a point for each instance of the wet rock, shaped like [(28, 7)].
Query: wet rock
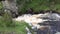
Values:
[(29, 11)]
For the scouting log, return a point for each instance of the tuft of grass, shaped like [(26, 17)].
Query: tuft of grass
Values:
[(18, 29)]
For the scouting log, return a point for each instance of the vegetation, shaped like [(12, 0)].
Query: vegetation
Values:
[(18, 29), (7, 25), (38, 5)]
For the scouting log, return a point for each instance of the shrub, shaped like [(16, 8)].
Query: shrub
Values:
[(6, 19)]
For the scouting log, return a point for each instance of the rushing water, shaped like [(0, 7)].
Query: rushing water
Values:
[(53, 19)]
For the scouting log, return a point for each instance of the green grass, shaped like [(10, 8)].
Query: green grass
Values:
[(15, 27), (18, 29), (39, 5), (1, 5)]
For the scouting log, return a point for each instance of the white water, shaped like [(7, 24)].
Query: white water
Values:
[(36, 18)]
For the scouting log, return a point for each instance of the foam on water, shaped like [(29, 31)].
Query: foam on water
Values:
[(58, 33), (33, 19)]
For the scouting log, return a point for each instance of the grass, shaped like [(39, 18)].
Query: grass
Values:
[(40, 5), (21, 27), (18, 29), (35, 4)]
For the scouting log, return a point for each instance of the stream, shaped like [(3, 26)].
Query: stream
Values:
[(36, 20)]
